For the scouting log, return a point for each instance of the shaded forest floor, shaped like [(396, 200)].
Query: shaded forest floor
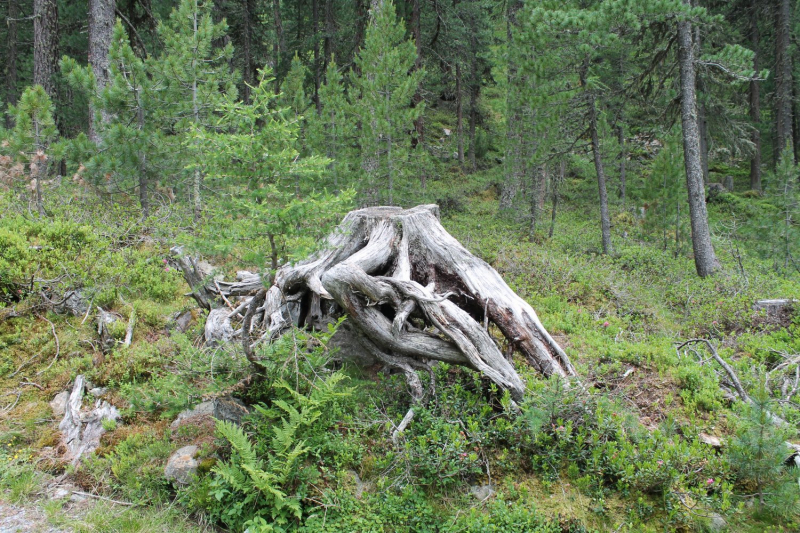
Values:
[(620, 318)]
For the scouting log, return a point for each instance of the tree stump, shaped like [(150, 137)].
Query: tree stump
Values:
[(412, 294)]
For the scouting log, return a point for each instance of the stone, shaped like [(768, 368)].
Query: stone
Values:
[(225, 408), (714, 189), (710, 440), (59, 403), (717, 523), (182, 465), (183, 321), (97, 392), (727, 182), (73, 303), (481, 492)]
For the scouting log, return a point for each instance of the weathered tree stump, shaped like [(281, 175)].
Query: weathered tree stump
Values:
[(412, 293)]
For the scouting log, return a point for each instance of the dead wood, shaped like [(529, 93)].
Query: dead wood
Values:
[(412, 293)]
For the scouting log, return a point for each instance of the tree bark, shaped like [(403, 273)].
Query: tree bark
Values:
[(623, 161), (101, 26), (513, 156), (474, 93), (45, 45), (315, 48), (755, 104), (783, 78), (605, 219), (419, 122), (414, 294), (248, 72), (279, 44), (361, 23), (459, 116), (11, 58), (704, 258)]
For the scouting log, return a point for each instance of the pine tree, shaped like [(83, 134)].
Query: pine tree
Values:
[(332, 131), (30, 140), (195, 76), (382, 95)]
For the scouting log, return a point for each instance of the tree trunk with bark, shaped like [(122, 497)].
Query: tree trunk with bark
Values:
[(101, 26), (783, 78), (412, 294), (248, 72), (623, 162), (605, 218), (11, 59), (704, 258), (459, 116), (755, 104), (416, 31), (45, 45)]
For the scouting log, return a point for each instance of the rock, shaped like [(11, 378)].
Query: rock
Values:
[(73, 303), (714, 189), (59, 403), (183, 321), (710, 440), (244, 275), (62, 492), (481, 492), (182, 465), (727, 182), (717, 523), (775, 307), (97, 392), (104, 320), (225, 408)]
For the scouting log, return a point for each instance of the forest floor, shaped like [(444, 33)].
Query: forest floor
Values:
[(620, 318)]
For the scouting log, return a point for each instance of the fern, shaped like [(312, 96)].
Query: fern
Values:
[(256, 486)]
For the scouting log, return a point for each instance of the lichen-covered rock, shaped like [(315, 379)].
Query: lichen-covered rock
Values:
[(182, 465), (225, 408)]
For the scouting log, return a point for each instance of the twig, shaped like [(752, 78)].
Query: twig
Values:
[(89, 310), (222, 295), (90, 495), (403, 425), (32, 384), (58, 347)]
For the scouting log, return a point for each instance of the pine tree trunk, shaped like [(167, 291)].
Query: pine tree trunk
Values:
[(11, 58), (362, 20), (419, 122), (623, 161), (704, 257), (510, 185), (330, 33), (316, 68), (702, 120), (605, 220), (197, 180), (459, 116), (474, 93), (755, 104), (279, 44), (45, 45), (101, 26), (248, 72), (783, 78), (556, 183), (144, 202)]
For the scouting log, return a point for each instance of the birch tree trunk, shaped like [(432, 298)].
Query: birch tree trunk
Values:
[(704, 258)]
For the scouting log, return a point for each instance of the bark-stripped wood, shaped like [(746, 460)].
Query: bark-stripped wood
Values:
[(412, 293)]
